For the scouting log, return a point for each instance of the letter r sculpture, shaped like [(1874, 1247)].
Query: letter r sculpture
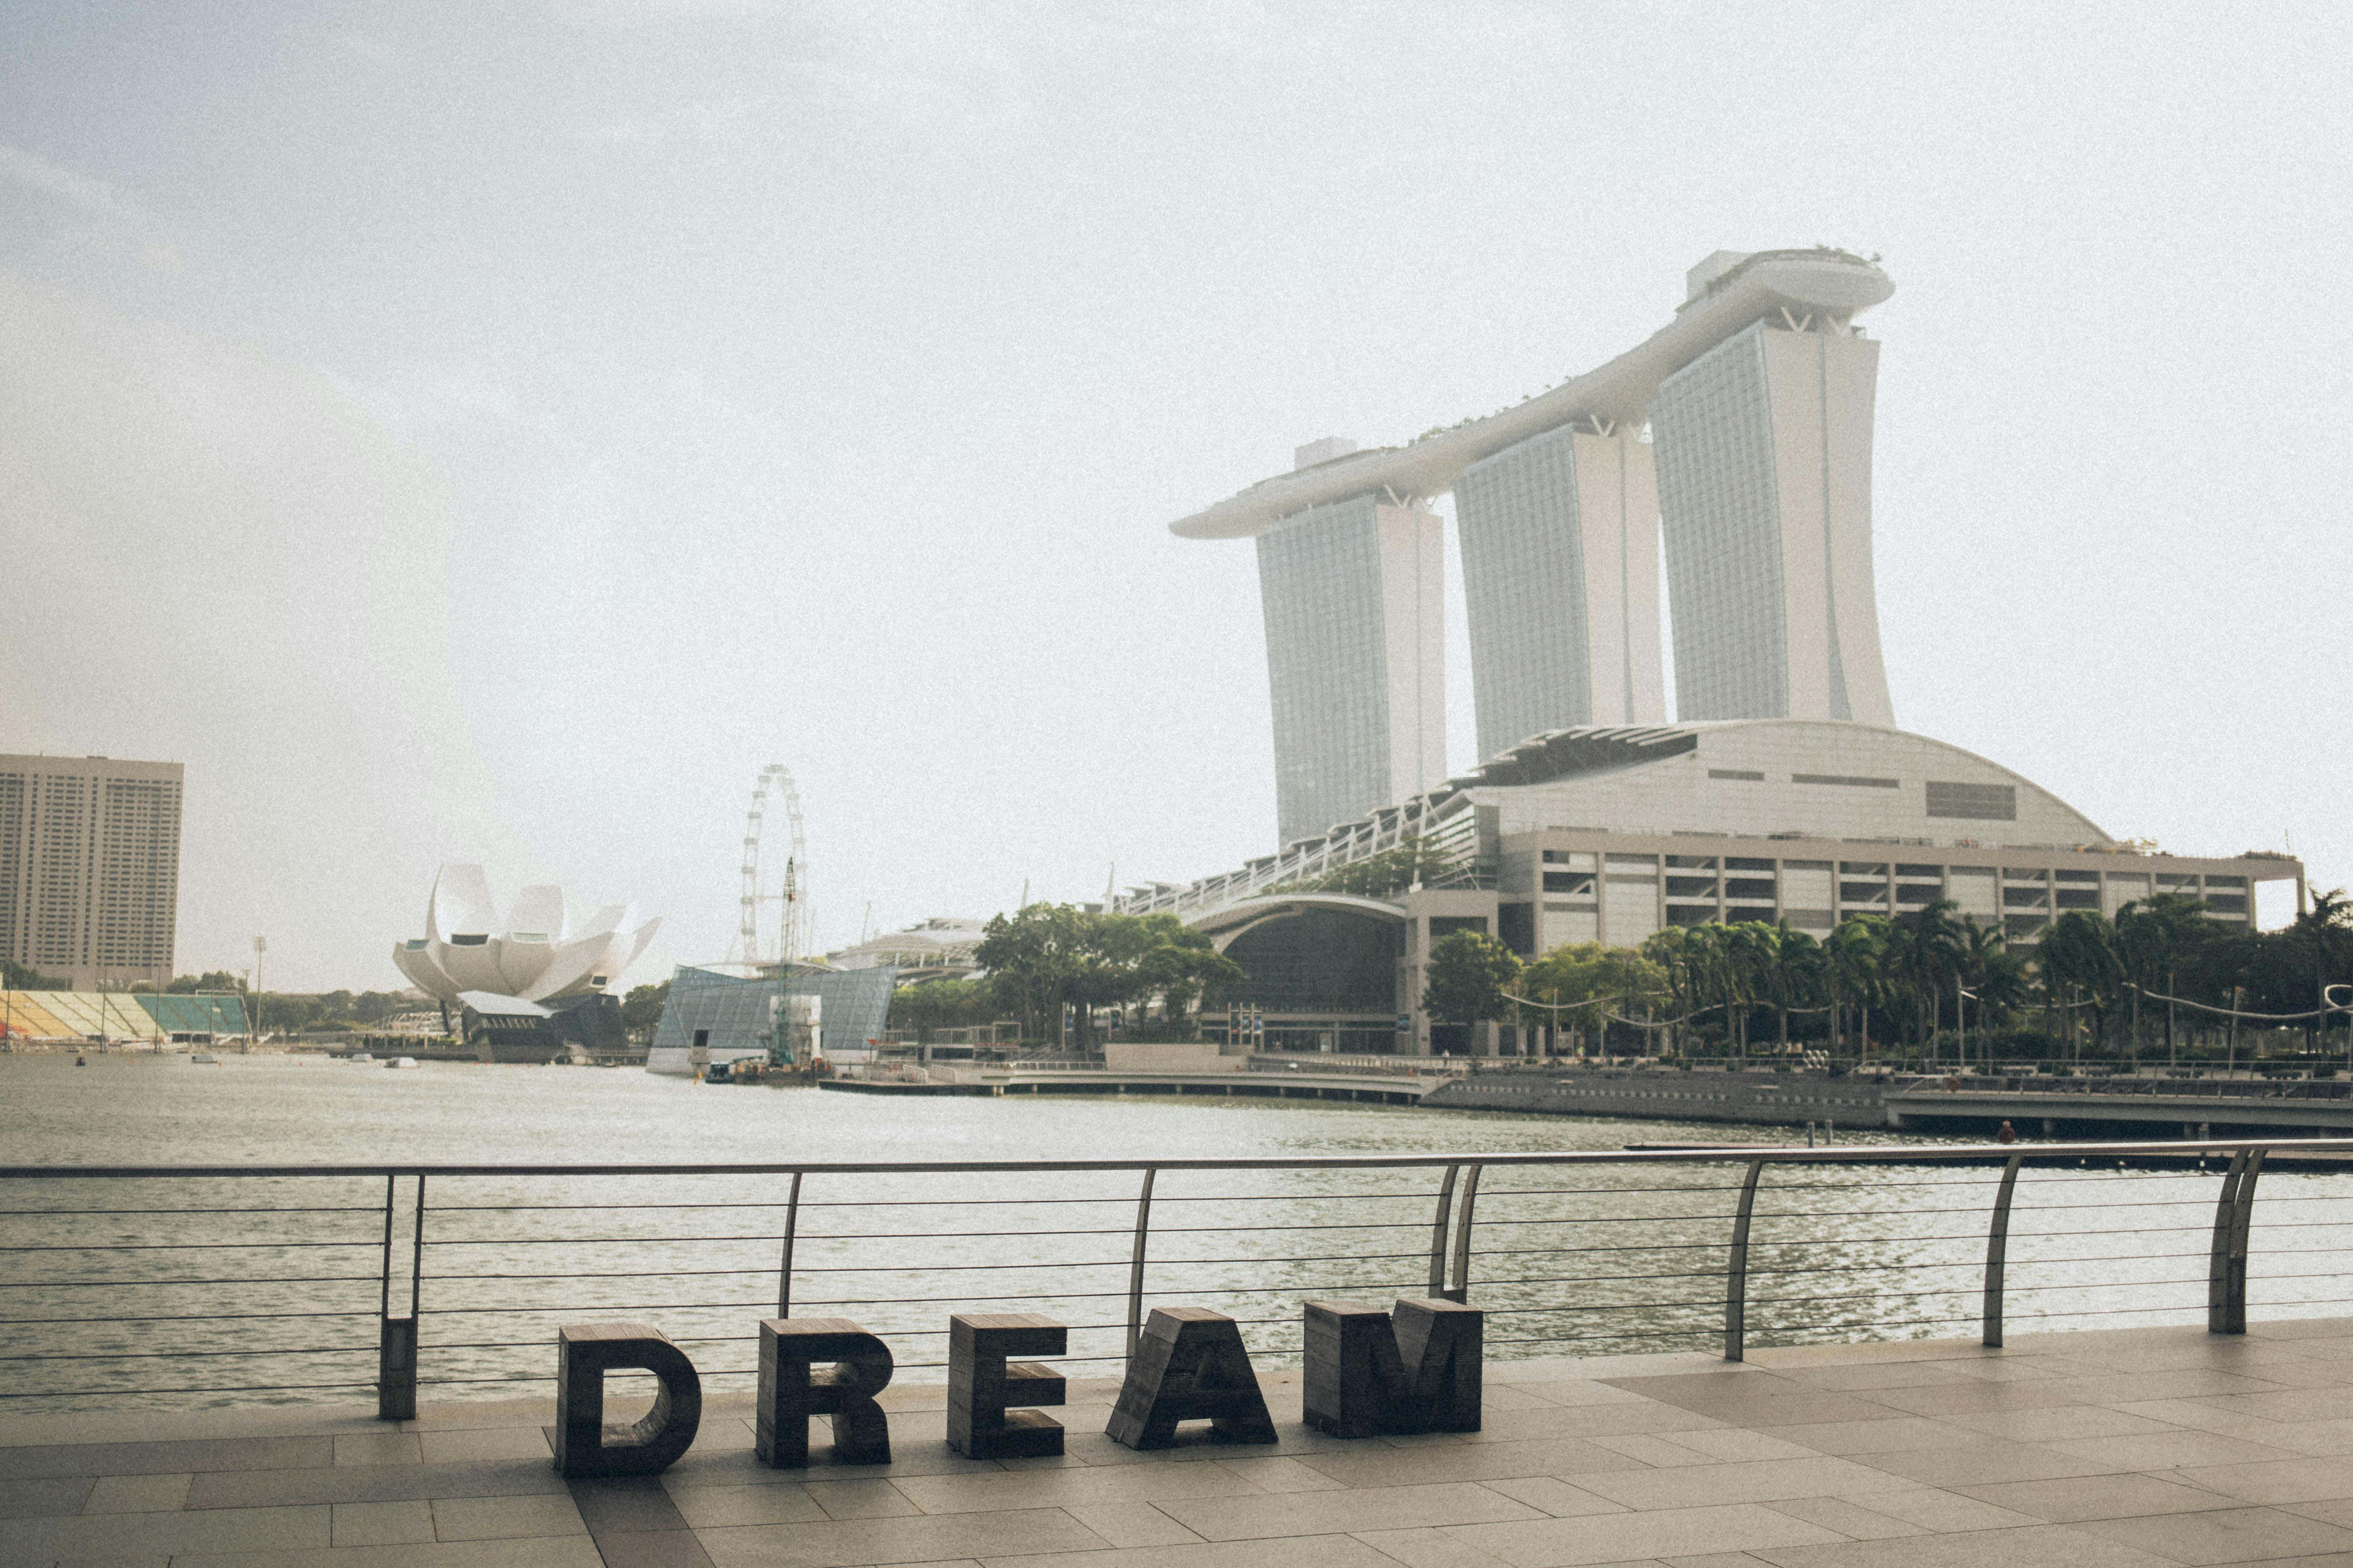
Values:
[(585, 1446), (855, 1366)]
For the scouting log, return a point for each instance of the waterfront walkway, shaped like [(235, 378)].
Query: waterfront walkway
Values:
[(2091, 1450)]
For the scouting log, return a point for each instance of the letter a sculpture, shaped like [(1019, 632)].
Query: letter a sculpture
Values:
[(1190, 1366)]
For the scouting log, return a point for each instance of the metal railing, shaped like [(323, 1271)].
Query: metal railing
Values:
[(236, 1284)]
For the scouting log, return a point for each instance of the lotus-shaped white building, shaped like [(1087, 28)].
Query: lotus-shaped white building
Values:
[(537, 955)]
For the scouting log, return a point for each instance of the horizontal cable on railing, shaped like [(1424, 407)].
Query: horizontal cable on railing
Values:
[(191, 1354), (187, 1246), (43, 1213), (145, 1284), (191, 1318)]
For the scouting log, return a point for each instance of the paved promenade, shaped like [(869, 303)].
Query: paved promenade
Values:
[(2094, 1450)]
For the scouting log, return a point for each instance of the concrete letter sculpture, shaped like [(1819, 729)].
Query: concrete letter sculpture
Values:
[(1190, 1366), (982, 1384), (585, 1446), (792, 1391), (1368, 1373)]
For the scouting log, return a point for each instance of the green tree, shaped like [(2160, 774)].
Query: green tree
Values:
[(641, 1009), (1050, 956), (15, 976), (1579, 986), (929, 1004), (1468, 974)]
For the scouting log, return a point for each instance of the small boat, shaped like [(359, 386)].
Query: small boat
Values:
[(360, 1056), (402, 1062), (202, 1058)]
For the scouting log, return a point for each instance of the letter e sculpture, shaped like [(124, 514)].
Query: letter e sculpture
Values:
[(585, 1446), (1371, 1373), (982, 1382), (792, 1391), (1190, 1366)]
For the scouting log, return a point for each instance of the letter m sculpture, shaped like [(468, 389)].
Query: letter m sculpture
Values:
[(1370, 1372)]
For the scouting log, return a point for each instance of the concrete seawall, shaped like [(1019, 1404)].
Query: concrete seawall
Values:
[(1781, 1099)]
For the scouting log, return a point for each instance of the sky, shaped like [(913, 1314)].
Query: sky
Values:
[(494, 432)]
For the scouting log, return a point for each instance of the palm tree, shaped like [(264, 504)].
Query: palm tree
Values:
[(1854, 957)]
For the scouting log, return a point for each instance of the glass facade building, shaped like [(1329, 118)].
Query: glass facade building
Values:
[(1353, 599), (1763, 448), (730, 1015), (1559, 538)]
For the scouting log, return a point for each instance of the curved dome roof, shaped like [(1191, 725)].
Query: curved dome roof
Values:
[(539, 952), (1756, 287)]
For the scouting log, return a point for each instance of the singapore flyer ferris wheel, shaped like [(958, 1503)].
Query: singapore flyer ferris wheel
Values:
[(791, 922)]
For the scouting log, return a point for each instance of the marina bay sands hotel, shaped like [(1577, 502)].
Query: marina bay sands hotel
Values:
[(1744, 425), (1739, 435)]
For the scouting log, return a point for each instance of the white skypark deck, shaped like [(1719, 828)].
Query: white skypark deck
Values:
[(1804, 283)]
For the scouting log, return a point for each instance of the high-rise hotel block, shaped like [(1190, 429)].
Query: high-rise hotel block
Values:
[(1560, 571), (1354, 594), (1763, 459), (1739, 432), (90, 867)]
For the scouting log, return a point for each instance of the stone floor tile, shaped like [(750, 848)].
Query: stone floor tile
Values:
[(2034, 1546), (138, 1494), (492, 1443), (1556, 1498), (1372, 1466), (874, 1498), (2006, 1368), (215, 1530), (784, 1504), (1304, 1551), (1428, 1549), (1848, 1518), (1077, 1486), (1868, 1375), (1984, 1464), (505, 1518), (371, 1483), (653, 1548), (2276, 1480), (381, 1524), (2338, 1511), (2188, 1383), (1586, 1421), (625, 1504), (1658, 1448), (1360, 1507), (2057, 1423), (378, 1449), (922, 1538), (1848, 1438), (1280, 1474), (1733, 1443), (50, 1495), (2171, 1450), (540, 1552), (1571, 1393), (2281, 1405), (1951, 1399), (1714, 1560), (2221, 1417), (2228, 1535), (1759, 1480), (1631, 1537), (1945, 1512), (1132, 1524), (2097, 1497), (162, 1459)]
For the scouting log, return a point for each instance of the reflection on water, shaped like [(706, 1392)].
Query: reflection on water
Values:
[(1584, 1259)]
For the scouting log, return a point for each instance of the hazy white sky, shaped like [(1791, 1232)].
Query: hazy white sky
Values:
[(483, 431)]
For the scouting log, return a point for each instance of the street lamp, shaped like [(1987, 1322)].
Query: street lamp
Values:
[(260, 946)]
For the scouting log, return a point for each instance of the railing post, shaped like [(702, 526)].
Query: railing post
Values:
[(2233, 1313), (1135, 1266), (395, 1344), (1736, 1284), (2218, 1264), (1996, 1251), (784, 1262), (1438, 1232), (1460, 1290)]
